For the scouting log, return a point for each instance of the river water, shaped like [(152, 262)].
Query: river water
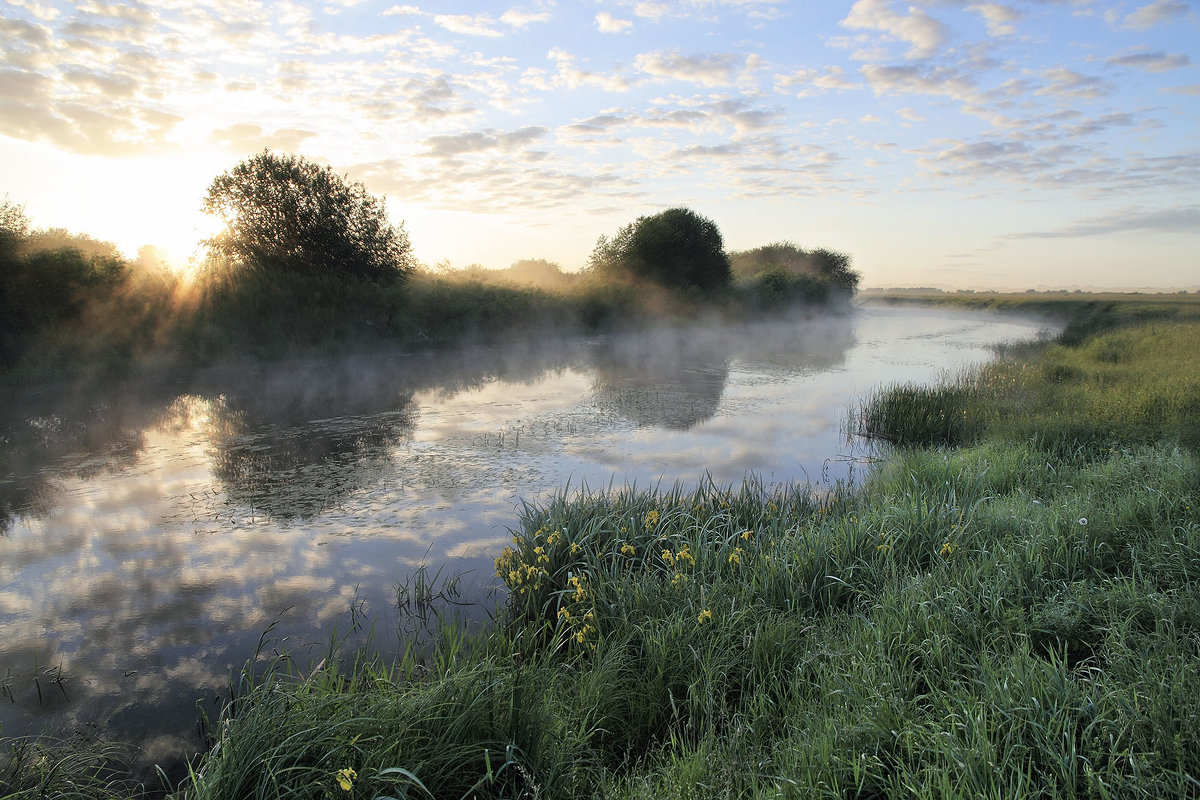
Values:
[(152, 531)]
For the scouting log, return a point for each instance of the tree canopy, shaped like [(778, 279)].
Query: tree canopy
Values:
[(285, 214), (677, 249)]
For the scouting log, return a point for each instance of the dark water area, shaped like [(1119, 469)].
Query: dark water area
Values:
[(151, 531)]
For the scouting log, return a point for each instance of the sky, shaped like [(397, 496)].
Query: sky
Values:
[(948, 143)]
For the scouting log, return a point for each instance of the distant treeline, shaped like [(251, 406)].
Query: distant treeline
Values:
[(308, 261)]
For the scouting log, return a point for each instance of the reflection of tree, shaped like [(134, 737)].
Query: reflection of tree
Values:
[(672, 379), (295, 442), (675, 379), (55, 432)]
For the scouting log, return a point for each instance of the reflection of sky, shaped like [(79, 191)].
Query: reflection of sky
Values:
[(146, 583)]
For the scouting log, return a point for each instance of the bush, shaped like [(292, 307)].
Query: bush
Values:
[(827, 266)]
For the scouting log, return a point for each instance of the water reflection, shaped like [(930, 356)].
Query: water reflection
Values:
[(156, 528), (294, 443), (671, 379)]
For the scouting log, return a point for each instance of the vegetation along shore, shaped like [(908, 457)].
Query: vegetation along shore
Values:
[(308, 263)]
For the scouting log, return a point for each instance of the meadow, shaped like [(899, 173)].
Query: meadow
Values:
[(1009, 606)]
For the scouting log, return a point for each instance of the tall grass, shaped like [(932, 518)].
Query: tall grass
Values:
[(1132, 384)]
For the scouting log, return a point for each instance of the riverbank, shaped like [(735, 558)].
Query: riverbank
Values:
[(1013, 616)]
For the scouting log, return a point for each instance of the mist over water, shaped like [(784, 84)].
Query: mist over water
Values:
[(152, 530)]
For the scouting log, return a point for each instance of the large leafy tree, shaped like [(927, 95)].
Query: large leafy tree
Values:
[(286, 214), (677, 248)]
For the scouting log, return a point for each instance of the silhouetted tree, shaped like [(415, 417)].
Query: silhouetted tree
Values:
[(678, 249), (285, 214)]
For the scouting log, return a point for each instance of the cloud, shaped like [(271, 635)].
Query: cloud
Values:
[(467, 25), (599, 124), (912, 79), (401, 11), (519, 19), (1190, 89), (1067, 83), (999, 18), (249, 137), (923, 33), (607, 23), (1167, 220), (809, 81), (567, 75), (711, 69), (1156, 61), (1156, 13), (459, 144), (651, 10)]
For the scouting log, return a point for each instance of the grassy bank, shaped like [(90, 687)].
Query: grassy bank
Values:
[(1017, 615)]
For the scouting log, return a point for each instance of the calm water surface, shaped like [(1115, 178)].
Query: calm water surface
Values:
[(150, 532)]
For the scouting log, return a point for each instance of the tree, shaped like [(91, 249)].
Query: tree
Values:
[(678, 249), (285, 214)]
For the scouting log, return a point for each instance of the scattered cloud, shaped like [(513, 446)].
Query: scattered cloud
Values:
[(1065, 84), (1156, 61), (1156, 13), (249, 137), (461, 144), (924, 34), (1190, 89), (607, 23), (1167, 220), (709, 69), (808, 82), (521, 19), (467, 25), (999, 18), (912, 79)]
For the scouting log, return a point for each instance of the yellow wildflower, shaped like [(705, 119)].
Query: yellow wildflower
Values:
[(947, 550), (736, 556), (564, 613), (651, 519), (628, 550), (747, 534), (704, 616), (668, 558), (345, 778)]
